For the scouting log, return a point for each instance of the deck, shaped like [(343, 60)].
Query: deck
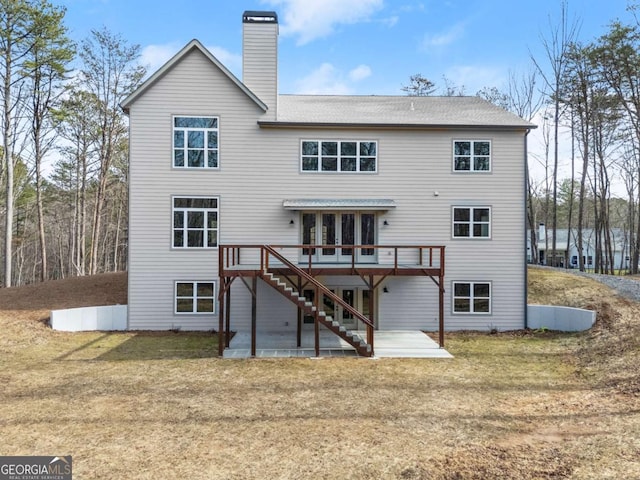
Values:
[(292, 268)]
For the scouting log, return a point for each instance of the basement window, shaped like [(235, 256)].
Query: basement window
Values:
[(195, 297), (472, 297)]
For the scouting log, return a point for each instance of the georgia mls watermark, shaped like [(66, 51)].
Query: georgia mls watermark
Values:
[(35, 468)]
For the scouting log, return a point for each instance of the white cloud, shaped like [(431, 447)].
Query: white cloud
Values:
[(390, 21), (444, 38), (359, 73), (311, 19), (324, 80), (155, 56), (230, 60)]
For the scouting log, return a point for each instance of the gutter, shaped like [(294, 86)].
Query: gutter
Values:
[(391, 126), (526, 266)]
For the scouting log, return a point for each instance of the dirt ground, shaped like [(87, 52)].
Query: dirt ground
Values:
[(513, 405)]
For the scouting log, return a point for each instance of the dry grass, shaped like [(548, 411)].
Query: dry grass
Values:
[(131, 405)]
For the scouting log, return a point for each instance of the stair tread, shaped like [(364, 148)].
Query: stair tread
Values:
[(351, 336)]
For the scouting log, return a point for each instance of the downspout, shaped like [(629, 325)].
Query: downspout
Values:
[(526, 266)]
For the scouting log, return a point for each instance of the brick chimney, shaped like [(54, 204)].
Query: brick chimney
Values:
[(260, 57)]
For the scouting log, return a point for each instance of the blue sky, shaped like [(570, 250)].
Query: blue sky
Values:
[(354, 46)]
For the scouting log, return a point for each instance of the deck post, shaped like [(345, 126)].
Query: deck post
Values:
[(254, 311), (441, 315), (223, 282), (316, 323), (372, 304), (221, 333), (227, 318), (300, 316), (441, 298)]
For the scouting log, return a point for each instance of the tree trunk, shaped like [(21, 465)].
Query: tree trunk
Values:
[(8, 157), (40, 209)]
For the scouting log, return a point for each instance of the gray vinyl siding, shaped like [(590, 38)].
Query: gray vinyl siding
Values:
[(259, 168), (260, 63)]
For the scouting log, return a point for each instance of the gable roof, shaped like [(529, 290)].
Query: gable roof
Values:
[(393, 111), (188, 48)]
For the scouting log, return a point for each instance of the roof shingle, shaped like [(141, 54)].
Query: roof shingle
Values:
[(395, 111)]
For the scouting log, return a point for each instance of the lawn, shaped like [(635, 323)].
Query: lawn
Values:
[(142, 405)]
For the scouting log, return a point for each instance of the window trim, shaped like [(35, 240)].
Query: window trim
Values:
[(339, 156), (471, 208), (205, 130), (195, 297), (471, 297), (205, 240), (471, 157)]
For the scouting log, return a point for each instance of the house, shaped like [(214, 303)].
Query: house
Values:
[(256, 211), (565, 237)]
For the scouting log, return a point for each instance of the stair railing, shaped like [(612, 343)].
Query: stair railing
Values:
[(268, 251)]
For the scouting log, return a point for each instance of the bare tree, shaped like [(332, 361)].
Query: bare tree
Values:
[(419, 86), (556, 47), (46, 65), (617, 56), (110, 72), (16, 38)]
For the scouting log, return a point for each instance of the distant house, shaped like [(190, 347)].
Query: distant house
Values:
[(253, 210), (619, 240)]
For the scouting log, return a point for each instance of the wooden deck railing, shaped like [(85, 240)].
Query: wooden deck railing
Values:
[(426, 256)]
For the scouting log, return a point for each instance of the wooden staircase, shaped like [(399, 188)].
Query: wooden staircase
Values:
[(349, 336), (363, 347)]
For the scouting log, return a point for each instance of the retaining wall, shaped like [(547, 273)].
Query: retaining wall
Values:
[(564, 319), (112, 317)]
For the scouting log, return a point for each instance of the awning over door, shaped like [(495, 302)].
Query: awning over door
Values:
[(376, 204)]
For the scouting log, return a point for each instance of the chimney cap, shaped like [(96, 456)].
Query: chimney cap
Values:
[(253, 16)]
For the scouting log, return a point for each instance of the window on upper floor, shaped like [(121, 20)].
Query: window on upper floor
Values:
[(195, 222), (339, 156), (472, 156), (195, 297), (471, 222), (472, 297), (195, 142)]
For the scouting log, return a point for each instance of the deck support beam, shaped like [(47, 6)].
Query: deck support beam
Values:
[(221, 332), (227, 319), (372, 303), (300, 317), (254, 315), (441, 315), (316, 323)]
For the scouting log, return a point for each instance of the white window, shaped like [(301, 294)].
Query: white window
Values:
[(195, 142), (195, 222), (471, 222), (472, 297), (339, 156), (195, 297), (472, 156)]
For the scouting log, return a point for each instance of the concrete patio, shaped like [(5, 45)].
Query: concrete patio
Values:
[(388, 344)]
